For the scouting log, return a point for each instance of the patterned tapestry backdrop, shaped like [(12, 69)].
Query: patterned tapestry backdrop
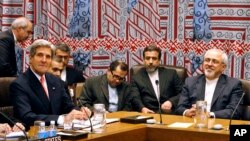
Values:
[(100, 31)]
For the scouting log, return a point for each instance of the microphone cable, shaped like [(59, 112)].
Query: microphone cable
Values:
[(91, 125)]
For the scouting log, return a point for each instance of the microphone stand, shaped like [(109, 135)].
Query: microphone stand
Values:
[(12, 122), (158, 92), (236, 107), (81, 105)]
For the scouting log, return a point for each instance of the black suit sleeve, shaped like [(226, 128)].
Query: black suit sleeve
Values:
[(7, 58)]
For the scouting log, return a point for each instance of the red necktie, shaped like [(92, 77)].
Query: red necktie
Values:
[(44, 87)]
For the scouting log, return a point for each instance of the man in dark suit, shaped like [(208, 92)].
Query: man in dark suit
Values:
[(56, 68), (37, 95), (109, 89), (221, 92), (69, 74), (154, 85), (21, 29)]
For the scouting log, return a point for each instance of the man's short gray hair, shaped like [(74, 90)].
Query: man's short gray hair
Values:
[(39, 43), (223, 54), (20, 22)]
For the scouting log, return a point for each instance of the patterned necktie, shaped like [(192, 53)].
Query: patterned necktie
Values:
[(42, 80)]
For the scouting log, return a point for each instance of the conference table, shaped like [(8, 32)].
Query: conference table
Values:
[(119, 131)]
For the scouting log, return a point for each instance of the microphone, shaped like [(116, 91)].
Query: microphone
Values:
[(158, 92), (12, 122), (91, 125), (236, 107)]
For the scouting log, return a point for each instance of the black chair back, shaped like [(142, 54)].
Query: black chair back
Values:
[(5, 101)]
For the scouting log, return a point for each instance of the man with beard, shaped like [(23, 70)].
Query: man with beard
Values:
[(221, 92), (152, 79), (111, 89)]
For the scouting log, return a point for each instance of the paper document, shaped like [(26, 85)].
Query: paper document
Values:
[(180, 125), (15, 134), (111, 120), (86, 123)]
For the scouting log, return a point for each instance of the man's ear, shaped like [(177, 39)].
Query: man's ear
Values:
[(224, 67)]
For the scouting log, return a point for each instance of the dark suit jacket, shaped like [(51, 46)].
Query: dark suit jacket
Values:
[(96, 91), (8, 66), (142, 88), (31, 103), (226, 95), (73, 76)]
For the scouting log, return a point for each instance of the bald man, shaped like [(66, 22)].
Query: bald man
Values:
[(21, 29)]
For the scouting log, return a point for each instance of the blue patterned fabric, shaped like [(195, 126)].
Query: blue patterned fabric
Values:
[(79, 26), (81, 60), (202, 26), (19, 56), (131, 4)]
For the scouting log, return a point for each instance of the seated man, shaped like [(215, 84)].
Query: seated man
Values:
[(155, 88), (109, 89), (69, 74), (221, 92), (37, 95), (56, 68)]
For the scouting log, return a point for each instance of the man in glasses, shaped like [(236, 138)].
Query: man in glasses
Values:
[(68, 74), (155, 87), (109, 89)]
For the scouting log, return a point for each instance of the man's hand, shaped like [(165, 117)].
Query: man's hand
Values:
[(191, 112), (146, 110), (16, 129), (75, 114), (5, 128), (166, 106), (86, 111)]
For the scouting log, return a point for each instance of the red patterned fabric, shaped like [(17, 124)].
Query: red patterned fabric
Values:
[(116, 34)]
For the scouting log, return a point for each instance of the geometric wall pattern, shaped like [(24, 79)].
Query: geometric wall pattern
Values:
[(99, 31)]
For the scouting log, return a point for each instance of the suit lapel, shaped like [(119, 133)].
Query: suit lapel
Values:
[(161, 80), (52, 93), (37, 88), (147, 81), (104, 87), (120, 94), (200, 88), (218, 89)]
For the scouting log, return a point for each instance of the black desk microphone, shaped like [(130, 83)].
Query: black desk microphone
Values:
[(158, 92), (81, 105), (12, 122), (236, 107)]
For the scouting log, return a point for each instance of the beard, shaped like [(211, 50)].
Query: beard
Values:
[(151, 69), (209, 73)]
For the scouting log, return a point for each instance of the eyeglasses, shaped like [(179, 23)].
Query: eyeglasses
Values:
[(118, 77), (63, 57)]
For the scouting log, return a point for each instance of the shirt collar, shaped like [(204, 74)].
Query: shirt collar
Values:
[(14, 37)]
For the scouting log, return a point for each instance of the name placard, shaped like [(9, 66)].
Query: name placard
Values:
[(55, 138)]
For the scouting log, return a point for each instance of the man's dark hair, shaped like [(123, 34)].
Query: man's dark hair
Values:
[(63, 47), (152, 47), (117, 63)]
